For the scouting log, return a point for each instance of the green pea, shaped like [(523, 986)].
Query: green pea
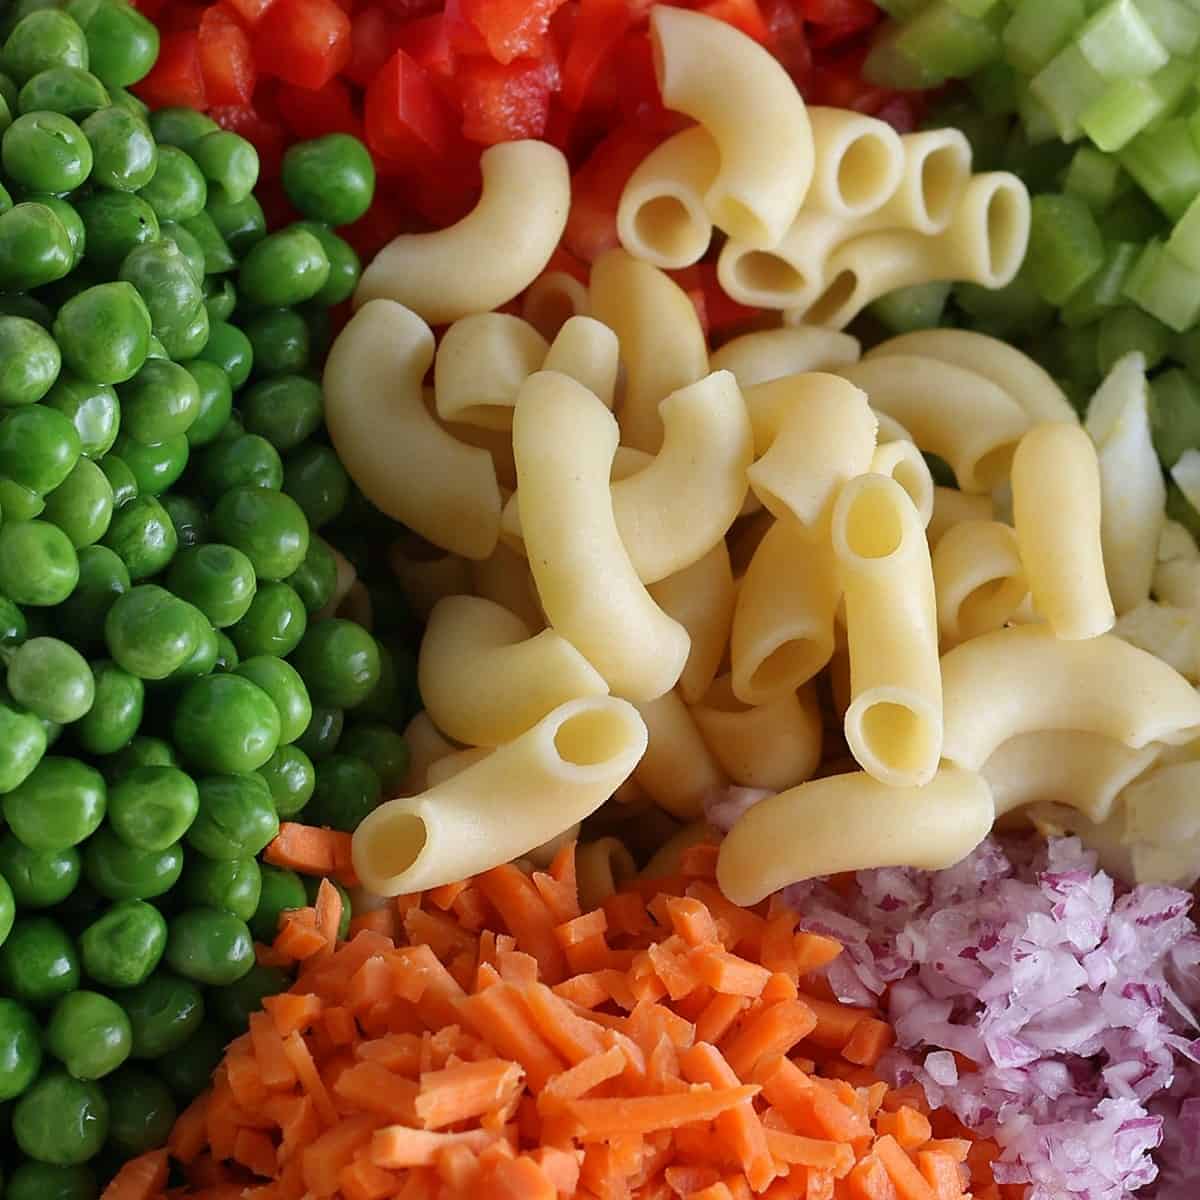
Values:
[(102, 578), (227, 655), (188, 516), (38, 962), (38, 564), (38, 878), (151, 808), (161, 401), (91, 408), (19, 305), (70, 221), (164, 1012), (155, 467), (187, 339), (228, 162), (241, 223), (219, 580), (283, 269), (8, 909), (42, 40), (115, 223), (104, 332), (290, 775), (35, 248), (209, 946), (315, 478), (233, 886), (72, 91), (273, 624), (323, 733), (220, 298), (234, 428), (312, 886), (236, 819), (316, 577), (142, 536), (178, 190), (14, 628), (161, 274), (60, 804), (20, 1049), (246, 461), (215, 402), (61, 1120), (122, 872), (42, 1181), (124, 151), (180, 126), (127, 100), (46, 152), (383, 748), (122, 947), (285, 410), (141, 1110), (89, 1034), (287, 691), (29, 361), (281, 890), (218, 258), (330, 179), (116, 712), (8, 87), (187, 1071), (339, 661), (142, 751), (82, 505), (230, 349), (39, 447), (395, 696), (267, 526), (233, 1004), (225, 723), (190, 247), (51, 678), (279, 340), (122, 43), (203, 659), (150, 632), (18, 503), (347, 790)]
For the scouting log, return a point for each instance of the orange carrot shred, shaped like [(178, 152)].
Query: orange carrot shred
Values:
[(467, 1090), (528, 919), (141, 1178)]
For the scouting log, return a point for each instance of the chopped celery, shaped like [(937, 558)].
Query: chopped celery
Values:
[(1126, 329), (909, 308), (1013, 311), (974, 8), (887, 65), (948, 42), (1185, 348), (985, 133), (1131, 218), (1038, 30), (1165, 287), (1174, 414), (1117, 41), (1184, 242), (996, 89), (1175, 25), (902, 10), (1103, 291), (1078, 348), (1065, 246), (1094, 177), (1166, 165), (1066, 85), (1036, 122), (1129, 105), (1039, 164)]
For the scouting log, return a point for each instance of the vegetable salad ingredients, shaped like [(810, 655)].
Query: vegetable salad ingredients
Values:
[(490, 1039)]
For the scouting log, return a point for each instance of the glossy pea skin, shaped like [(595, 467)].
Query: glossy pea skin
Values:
[(124, 152), (42, 1181), (39, 447), (181, 127), (225, 723), (233, 1004), (215, 401), (290, 775), (151, 808), (142, 536), (38, 962), (209, 946), (241, 223), (229, 162), (16, 304), (23, 742), (46, 152), (124, 945), (141, 1110), (155, 467), (267, 526), (93, 410), (61, 1120), (104, 332), (220, 298), (285, 410), (18, 503), (283, 684), (68, 218), (245, 461), (229, 348), (150, 632), (324, 732), (232, 886), (30, 362), (89, 1034), (279, 340), (116, 711), (142, 751), (330, 179), (72, 91), (281, 890), (227, 655), (188, 516), (35, 248), (115, 223), (177, 191), (315, 478), (316, 578), (122, 43), (8, 909), (339, 661), (51, 678), (187, 1071), (273, 624), (82, 505), (218, 258), (218, 579), (164, 1012), (382, 748), (203, 658), (347, 790), (14, 628), (60, 804), (38, 564), (20, 1048), (236, 819), (188, 246), (161, 401), (38, 878), (161, 274), (102, 578), (121, 872), (41, 40), (284, 269)]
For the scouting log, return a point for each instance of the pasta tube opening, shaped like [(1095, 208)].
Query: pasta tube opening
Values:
[(591, 737), (394, 849), (837, 300), (671, 224), (859, 162), (551, 300), (940, 169)]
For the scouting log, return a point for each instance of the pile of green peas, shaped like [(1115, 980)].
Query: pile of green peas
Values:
[(173, 685)]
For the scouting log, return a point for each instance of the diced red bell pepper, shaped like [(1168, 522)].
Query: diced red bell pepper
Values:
[(407, 122), (374, 36), (464, 37), (251, 11), (637, 86), (276, 204), (226, 60), (503, 103), (149, 8), (741, 14), (305, 42), (512, 28), (846, 15), (838, 83), (443, 194), (902, 111), (175, 80), (409, 9), (788, 40), (720, 311), (427, 41), (181, 16), (309, 114), (598, 31), (266, 137), (378, 225)]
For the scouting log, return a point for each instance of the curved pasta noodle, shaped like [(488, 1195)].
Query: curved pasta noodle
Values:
[(426, 745), (669, 856), (424, 581), (505, 579), (770, 354), (588, 351), (497, 443), (564, 440), (485, 679), (518, 797), (1014, 373), (1023, 679), (1056, 512), (773, 746), (951, 507), (677, 771), (858, 163), (402, 460), (812, 432), (662, 344), (493, 254), (1162, 826), (453, 764), (851, 823), (899, 459), (789, 275), (988, 235), (601, 867), (552, 299), (661, 217), (481, 362), (934, 173), (978, 579), (894, 722), (746, 101), (783, 622), (951, 412)]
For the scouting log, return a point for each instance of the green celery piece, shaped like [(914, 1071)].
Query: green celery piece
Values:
[(1036, 122), (1131, 218), (1078, 348), (888, 66), (1165, 164), (1041, 165), (1184, 242), (1126, 329), (1038, 30), (950, 43), (1118, 43), (974, 8), (1164, 287), (1095, 178), (1008, 312), (1175, 25), (1102, 292), (917, 307), (1065, 246), (1130, 105), (1065, 86), (1174, 414), (996, 88)]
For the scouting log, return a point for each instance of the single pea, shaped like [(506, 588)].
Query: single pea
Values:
[(279, 340), (121, 872), (316, 577), (230, 349), (19, 503), (241, 223), (209, 946), (330, 179), (161, 401), (61, 1120), (116, 712), (233, 1005), (142, 751), (273, 624), (190, 247), (281, 890), (155, 467), (122, 947), (82, 505), (215, 402), (290, 775), (220, 298), (14, 628), (124, 482), (323, 733), (39, 447), (180, 126), (16, 304), (35, 248), (142, 536), (60, 804), (91, 408), (141, 1111), (114, 224), (285, 410), (127, 100), (339, 661), (285, 268), (187, 1071), (287, 691), (46, 152), (20, 1049), (383, 748), (312, 885), (229, 163), (233, 887), (122, 43), (29, 361), (8, 909), (72, 91), (51, 678), (160, 273), (70, 220), (151, 808), (89, 1034), (345, 267), (124, 152), (227, 655), (38, 962), (219, 580), (225, 723), (188, 516), (102, 578), (150, 632), (218, 258), (42, 40), (202, 659), (187, 339), (246, 461), (38, 878), (237, 818), (104, 332), (164, 1012), (38, 564), (315, 478), (267, 526), (177, 191), (42, 1181), (347, 790)]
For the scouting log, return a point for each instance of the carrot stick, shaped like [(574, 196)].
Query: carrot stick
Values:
[(600, 1119), (825, 1155), (835, 1022), (498, 1015), (868, 1042), (303, 848), (329, 912), (580, 1079), (293, 1013), (573, 1036), (773, 1030), (141, 1178), (464, 1091), (909, 1183), (718, 1017), (725, 972), (371, 1087), (527, 917), (322, 1162), (398, 1146), (309, 1077), (273, 1064)]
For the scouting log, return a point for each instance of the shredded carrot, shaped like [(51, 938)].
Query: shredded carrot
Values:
[(141, 1178), (774, 1030), (304, 848)]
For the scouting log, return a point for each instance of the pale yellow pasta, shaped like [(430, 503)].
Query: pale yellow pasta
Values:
[(858, 163), (515, 799), (1022, 379), (772, 353), (601, 867), (481, 362), (344, 580), (426, 745), (889, 430), (986, 239), (661, 217), (701, 598), (485, 678), (744, 98), (894, 722), (587, 350), (425, 580), (812, 432), (1162, 826), (493, 254), (1023, 679), (1056, 512), (949, 411), (851, 823), (505, 579), (791, 274), (950, 507), (402, 460), (453, 764), (662, 344), (1176, 543), (1131, 484), (668, 857), (564, 439), (783, 622), (553, 299), (900, 459), (1167, 632), (978, 578), (497, 443), (773, 746), (677, 771), (1177, 582), (745, 538), (839, 681), (936, 168), (1085, 771)]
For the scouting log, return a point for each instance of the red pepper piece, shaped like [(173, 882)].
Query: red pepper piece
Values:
[(407, 122), (503, 103), (512, 28), (304, 42), (267, 137), (175, 79), (226, 59), (310, 114)]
